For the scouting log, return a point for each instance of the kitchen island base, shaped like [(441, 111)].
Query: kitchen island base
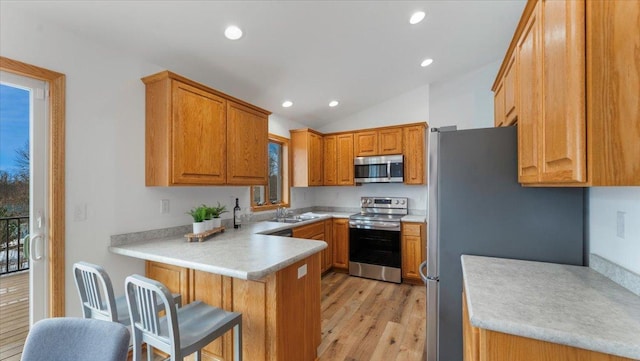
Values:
[(280, 313)]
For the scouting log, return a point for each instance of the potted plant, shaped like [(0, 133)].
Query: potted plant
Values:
[(208, 218), (198, 215), (216, 212)]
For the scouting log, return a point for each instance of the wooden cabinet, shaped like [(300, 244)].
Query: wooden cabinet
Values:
[(415, 161), (498, 106), (326, 256), (413, 250), (192, 135), (510, 93), (613, 85), (577, 82), (481, 344), (378, 142), (280, 313), (505, 97), (319, 231), (338, 159), (306, 145), (330, 160), (341, 243), (529, 54), (247, 140)]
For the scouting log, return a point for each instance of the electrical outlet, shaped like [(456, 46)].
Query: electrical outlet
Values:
[(164, 206), (620, 218), (302, 271), (80, 212)]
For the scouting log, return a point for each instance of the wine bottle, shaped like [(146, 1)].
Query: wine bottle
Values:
[(236, 215)]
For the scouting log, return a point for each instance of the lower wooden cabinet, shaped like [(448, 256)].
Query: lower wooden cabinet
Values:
[(280, 313), (320, 231), (485, 345), (341, 243), (413, 250), (327, 254)]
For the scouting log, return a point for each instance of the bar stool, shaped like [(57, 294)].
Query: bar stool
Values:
[(180, 332), (97, 297)]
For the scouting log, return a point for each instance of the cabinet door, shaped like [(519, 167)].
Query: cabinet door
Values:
[(390, 141), (470, 335), (341, 243), (175, 278), (315, 158), (366, 143), (327, 254), (413, 249), (247, 136), (510, 92), (498, 105), (330, 159), (563, 122), (198, 136), (529, 65), (344, 162), (414, 155)]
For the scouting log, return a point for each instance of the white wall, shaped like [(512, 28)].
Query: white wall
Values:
[(465, 100), (105, 146), (604, 203)]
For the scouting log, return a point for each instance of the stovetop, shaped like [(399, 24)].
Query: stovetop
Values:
[(366, 216)]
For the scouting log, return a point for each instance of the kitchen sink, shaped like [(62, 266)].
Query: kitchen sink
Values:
[(296, 219)]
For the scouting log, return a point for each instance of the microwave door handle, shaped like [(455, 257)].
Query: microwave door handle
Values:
[(389, 170)]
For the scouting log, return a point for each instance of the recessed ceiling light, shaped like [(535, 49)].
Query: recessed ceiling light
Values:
[(287, 103), (233, 32), (426, 62), (416, 17), (333, 103)]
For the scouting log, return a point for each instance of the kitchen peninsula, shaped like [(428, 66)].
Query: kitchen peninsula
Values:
[(273, 281)]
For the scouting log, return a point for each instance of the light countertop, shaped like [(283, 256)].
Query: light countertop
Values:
[(569, 305), (245, 253)]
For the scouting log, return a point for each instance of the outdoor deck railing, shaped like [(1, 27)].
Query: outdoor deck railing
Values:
[(14, 244)]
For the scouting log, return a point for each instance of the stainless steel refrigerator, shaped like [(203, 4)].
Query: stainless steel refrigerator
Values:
[(476, 206)]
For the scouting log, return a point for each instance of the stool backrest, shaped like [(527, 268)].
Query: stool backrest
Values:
[(96, 292), (146, 298)]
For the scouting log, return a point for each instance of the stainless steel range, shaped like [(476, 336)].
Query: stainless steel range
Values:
[(374, 238)]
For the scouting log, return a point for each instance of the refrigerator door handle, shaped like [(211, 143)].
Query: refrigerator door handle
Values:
[(422, 268)]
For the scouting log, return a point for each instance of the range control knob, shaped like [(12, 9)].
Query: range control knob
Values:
[(403, 201), (397, 201)]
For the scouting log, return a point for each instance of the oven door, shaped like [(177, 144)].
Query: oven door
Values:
[(375, 247)]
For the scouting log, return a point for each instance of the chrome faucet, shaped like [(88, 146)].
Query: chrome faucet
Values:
[(281, 212)]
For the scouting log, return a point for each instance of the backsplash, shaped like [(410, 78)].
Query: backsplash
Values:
[(616, 273)]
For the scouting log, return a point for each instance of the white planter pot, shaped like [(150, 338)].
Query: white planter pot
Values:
[(199, 227), (217, 222), (208, 224)]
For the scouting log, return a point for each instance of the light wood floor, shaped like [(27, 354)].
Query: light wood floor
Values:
[(362, 319), (371, 320), (14, 314)]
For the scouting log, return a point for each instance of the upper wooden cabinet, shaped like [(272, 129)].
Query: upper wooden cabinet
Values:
[(306, 145), (378, 142), (414, 143), (247, 138), (498, 106), (193, 138), (338, 159), (577, 80)]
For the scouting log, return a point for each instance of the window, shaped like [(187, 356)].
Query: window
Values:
[(276, 193)]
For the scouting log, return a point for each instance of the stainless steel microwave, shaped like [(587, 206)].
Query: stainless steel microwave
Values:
[(379, 169)]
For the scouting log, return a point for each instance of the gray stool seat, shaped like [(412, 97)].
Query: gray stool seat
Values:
[(97, 296), (76, 339), (182, 331)]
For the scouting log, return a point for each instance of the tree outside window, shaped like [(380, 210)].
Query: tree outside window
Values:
[(276, 193)]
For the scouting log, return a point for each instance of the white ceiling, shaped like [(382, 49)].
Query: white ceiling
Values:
[(309, 52)]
